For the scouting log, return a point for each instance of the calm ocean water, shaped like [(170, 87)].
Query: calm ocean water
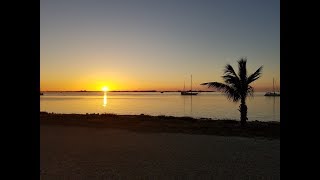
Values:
[(205, 105)]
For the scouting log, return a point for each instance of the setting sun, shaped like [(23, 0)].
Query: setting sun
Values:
[(105, 88)]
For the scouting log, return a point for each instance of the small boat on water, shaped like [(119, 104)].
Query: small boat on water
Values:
[(190, 93), (274, 93)]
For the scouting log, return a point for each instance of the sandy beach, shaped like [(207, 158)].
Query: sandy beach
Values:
[(71, 152)]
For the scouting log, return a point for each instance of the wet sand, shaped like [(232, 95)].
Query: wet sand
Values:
[(71, 152)]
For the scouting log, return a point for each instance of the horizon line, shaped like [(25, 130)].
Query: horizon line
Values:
[(126, 91)]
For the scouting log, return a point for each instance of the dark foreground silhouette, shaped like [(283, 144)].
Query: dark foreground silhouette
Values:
[(169, 124), (236, 86), (79, 152)]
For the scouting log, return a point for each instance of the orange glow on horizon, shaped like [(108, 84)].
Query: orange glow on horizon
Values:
[(132, 84)]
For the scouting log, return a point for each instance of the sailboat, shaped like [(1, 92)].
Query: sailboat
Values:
[(274, 93), (188, 92)]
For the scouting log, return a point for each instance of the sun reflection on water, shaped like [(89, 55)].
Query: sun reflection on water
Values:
[(105, 100)]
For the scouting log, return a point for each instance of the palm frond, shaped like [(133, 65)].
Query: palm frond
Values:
[(217, 85), (236, 86), (242, 64), (256, 75), (228, 70), (230, 76), (233, 94), (250, 91), (232, 81), (230, 91)]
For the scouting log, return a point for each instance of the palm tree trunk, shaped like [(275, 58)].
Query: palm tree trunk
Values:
[(243, 112)]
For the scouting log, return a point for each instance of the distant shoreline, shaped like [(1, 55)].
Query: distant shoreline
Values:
[(169, 124), (125, 91)]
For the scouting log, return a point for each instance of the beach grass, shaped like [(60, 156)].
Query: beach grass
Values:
[(167, 124)]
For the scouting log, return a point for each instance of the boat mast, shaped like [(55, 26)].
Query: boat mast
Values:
[(191, 83), (273, 86)]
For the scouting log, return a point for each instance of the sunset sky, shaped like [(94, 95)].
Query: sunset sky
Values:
[(155, 44)]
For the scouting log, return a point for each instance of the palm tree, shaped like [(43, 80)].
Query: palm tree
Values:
[(237, 86)]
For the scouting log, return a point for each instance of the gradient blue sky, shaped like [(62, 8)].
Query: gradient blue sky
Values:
[(155, 44)]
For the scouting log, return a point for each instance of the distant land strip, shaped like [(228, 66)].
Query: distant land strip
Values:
[(168, 124), (126, 91)]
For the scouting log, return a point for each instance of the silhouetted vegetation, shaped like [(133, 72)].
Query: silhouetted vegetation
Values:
[(162, 123), (237, 86)]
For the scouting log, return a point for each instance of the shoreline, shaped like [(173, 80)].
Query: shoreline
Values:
[(165, 124)]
